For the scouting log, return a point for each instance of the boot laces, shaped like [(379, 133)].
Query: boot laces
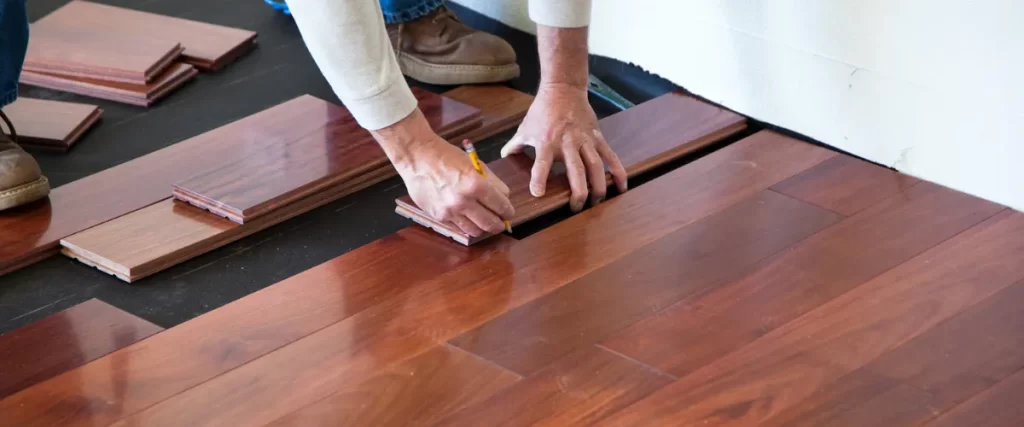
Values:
[(10, 126)]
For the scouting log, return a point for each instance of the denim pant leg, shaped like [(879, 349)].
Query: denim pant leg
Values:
[(396, 11), (13, 42)]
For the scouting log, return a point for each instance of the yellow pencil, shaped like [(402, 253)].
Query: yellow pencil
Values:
[(479, 168)]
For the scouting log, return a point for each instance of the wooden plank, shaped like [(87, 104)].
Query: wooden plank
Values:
[(247, 329), (51, 125), (419, 391), (287, 170), (846, 185), (207, 46), (652, 133), (999, 406), (787, 365), (134, 94), (723, 247), (33, 232), (97, 53), (425, 312), (501, 108), (823, 267), (579, 389), (66, 340)]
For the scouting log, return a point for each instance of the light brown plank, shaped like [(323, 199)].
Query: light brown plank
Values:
[(846, 185)]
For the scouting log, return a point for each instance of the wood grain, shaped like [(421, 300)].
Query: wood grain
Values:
[(846, 185), (787, 365), (716, 249), (205, 347), (823, 267), (501, 108), (134, 94), (65, 340), (578, 389), (426, 312), (645, 136), (207, 46), (999, 406), (97, 53), (51, 125), (286, 170), (419, 391)]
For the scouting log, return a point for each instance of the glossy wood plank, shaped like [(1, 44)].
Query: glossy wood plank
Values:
[(419, 391), (578, 389), (208, 346), (206, 45), (823, 267), (259, 182), (96, 53), (999, 406), (788, 364), (426, 312), (720, 248), (51, 125), (501, 108), (66, 340), (134, 94), (652, 133), (846, 185)]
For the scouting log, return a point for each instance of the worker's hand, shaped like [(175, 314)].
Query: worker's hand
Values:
[(442, 181), (562, 126)]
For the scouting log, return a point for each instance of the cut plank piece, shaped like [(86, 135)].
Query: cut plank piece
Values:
[(134, 94), (420, 313), (207, 46), (97, 53), (31, 233), (645, 136), (51, 125), (147, 241), (64, 341), (260, 182)]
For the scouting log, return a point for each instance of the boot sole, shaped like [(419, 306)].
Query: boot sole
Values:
[(448, 75), (24, 194)]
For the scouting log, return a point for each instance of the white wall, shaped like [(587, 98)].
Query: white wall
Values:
[(934, 88)]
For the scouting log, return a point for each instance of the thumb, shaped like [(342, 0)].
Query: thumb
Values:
[(514, 146)]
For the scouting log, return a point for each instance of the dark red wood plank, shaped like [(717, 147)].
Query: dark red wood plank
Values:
[(580, 388), (789, 364), (65, 340), (999, 406), (720, 248), (846, 185), (709, 325), (419, 391), (50, 125), (142, 95)]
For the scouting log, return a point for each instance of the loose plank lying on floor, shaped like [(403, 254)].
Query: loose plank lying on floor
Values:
[(206, 45), (260, 182), (578, 389), (789, 364), (998, 406), (214, 343), (425, 312), (830, 263), (419, 391), (33, 232), (845, 185), (142, 95), (645, 136), (66, 340), (149, 240), (51, 125), (716, 249)]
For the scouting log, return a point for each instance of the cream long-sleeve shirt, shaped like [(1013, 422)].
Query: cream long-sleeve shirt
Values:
[(349, 42)]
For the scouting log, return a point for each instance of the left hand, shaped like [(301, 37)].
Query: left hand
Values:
[(562, 126)]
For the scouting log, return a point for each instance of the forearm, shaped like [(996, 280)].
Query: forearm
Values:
[(349, 42), (563, 56)]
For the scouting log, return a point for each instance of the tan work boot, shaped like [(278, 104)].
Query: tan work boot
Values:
[(439, 49), (21, 181)]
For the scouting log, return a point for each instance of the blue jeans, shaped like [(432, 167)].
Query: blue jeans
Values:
[(396, 11), (13, 42)]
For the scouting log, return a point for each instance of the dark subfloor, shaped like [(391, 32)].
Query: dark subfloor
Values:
[(278, 70)]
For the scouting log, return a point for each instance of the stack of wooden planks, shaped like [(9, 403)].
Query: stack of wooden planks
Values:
[(51, 125), (125, 55)]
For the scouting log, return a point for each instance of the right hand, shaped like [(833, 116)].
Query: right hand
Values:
[(442, 181)]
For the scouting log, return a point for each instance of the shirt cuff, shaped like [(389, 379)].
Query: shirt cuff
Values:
[(383, 109), (561, 13)]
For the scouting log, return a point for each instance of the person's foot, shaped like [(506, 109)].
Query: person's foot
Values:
[(440, 49), (21, 181)]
